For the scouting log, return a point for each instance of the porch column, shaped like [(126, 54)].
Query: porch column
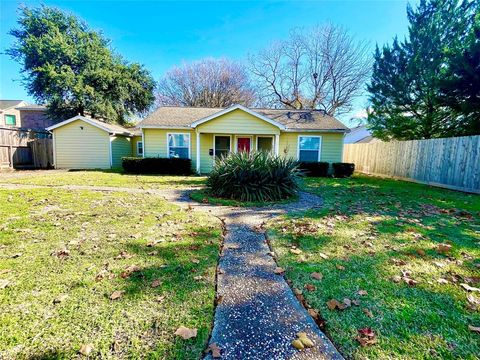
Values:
[(277, 144), (198, 152)]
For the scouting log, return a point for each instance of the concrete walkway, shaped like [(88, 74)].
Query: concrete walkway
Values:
[(257, 315)]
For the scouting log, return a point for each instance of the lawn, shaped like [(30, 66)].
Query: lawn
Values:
[(64, 256), (376, 243), (113, 178)]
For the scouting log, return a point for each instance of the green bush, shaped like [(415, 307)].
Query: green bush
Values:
[(255, 176), (160, 166), (317, 169), (341, 170)]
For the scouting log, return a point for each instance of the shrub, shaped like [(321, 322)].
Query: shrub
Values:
[(341, 170), (317, 169), (255, 176), (160, 166)]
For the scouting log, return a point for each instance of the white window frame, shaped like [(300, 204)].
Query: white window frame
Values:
[(220, 135), (138, 153), (265, 136), (310, 136), (189, 143), (243, 136)]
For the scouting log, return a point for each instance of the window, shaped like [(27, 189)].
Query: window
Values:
[(264, 143), (139, 148), (222, 145), (179, 146), (309, 148), (10, 120)]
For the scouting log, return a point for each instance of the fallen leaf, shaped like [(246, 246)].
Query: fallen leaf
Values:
[(123, 255), (186, 333), (362, 292), (278, 270), (296, 251), (469, 288), (340, 267), (116, 295), (61, 253), (310, 287), (302, 336), (129, 270), (316, 276), (314, 313), (368, 313), (366, 337), (86, 349), (195, 261), (443, 248), (421, 252), (215, 350), (4, 283), (335, 304), (347, 302), (156, 283), (474, 328), (323, 256), (17, 255), (396, 279), (60, 299), (297, 344), (442, 281)]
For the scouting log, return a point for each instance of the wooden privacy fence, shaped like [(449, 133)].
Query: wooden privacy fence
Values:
[(25, 148), (452, 163)]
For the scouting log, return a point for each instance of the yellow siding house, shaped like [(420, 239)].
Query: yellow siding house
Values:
[(199, 134), (85, 143), (203, 134)]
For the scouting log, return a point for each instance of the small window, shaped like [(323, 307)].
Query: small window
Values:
[(222, 145), (264, 143), (139, 148), (309, 148), (179, 146), (10, 120)]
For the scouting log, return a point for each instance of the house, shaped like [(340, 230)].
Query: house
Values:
[(20, 114), (359, 134), (85, 143), (200, 134)]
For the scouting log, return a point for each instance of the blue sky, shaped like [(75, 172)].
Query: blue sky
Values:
[(161, 34)]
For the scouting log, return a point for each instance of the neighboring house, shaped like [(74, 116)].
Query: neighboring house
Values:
[(20, 114), (200, 134), (359, 134), (85, 143)]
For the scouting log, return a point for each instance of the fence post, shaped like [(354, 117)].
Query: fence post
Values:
[(10, 155)]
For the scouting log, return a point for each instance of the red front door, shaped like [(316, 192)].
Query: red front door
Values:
[(243, 144)]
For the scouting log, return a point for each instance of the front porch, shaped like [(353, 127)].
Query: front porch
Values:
[(210, 146)]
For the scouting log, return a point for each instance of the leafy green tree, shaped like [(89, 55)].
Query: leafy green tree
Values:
[(73, 70), (405, 94)]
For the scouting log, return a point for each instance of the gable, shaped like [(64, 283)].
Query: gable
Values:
[(238, 121)]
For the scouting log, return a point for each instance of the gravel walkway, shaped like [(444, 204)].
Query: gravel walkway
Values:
[(257, 315)]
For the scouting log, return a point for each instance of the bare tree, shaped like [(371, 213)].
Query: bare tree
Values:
[(320, 68), (206, 83)]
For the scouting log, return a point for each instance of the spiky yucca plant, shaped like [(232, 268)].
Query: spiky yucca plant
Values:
[(254, 176)]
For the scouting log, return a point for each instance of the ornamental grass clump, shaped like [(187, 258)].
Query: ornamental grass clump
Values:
[(254, 176)]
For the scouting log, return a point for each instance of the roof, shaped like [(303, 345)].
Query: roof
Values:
[(7, 104), (286, 119), (32, 107), (110, 128)]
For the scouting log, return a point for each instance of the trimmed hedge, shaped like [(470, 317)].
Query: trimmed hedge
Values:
[(317, 169), (342, 170), (159, 166)]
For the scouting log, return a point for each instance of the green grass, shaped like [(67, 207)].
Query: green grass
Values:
[(114, 178), (96, 227), (202, 196), (367, 225)]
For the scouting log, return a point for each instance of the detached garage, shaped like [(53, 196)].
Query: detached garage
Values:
[(85, 143)]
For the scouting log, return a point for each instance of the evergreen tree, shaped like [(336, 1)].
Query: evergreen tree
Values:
[(404, 91), (73, 70)]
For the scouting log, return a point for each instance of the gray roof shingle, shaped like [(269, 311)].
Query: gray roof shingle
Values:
[(174, 117)]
